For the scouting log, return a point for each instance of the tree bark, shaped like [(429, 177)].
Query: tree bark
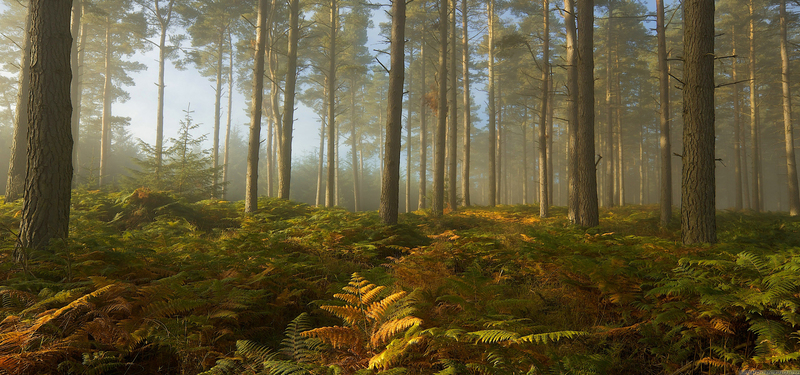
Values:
[(585, 171), (251, 186), (698, 223), (550, 170), (75, 89), (754, 136), (608, 188), (572, 107), (423, 130), (544, 207), (225, 158), (465, 166), (45, 206), (452, 130), (492, 108), (441, 126), (665, 145), (737, 129), (330, 187), (285, 161), (320, 167), (217, 107), (19, 146), (164, 21), (390, 186), (105, 137), (353, 147), (788, 129)]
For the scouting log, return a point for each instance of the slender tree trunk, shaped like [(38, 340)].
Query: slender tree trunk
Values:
[(737, 128), (452, 131), (665, 145), (45, 206), (441, 126), (423, 131), (330, 198), (226, 155), (754, 136), (164, 21), (544, 206), (524, 167), (105, 137), (698, 223), (19, 145), (572, 107), (353, 144), (492, 108), (408, 139), (608, 190), (217, 107), (620, 144), (585, 171), (322, 127), (550, 170), (75, 88), (285, 161), (465, 166), (251, 186), (390, 188), (788, 130), (641, 163)]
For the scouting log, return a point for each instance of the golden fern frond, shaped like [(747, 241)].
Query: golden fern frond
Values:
[(369, 295), (493, 336), (393, 327), (336, 336), (356, 283), (351, 315), (349, 298), (544, 338), (377, 309)]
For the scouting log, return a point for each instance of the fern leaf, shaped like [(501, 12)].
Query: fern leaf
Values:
[(253, 351), (544, 338), (493, 336), (392, 327), (294, 345), (338, 337), (349, 314), (377, 309), (349, 298), (369, 295)]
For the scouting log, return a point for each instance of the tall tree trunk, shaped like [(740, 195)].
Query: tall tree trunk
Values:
[(544, 206), (788, 130), (75, 88), (737, 129), (754, 136), (330, 197), (19, 145), (320, 167), (465, 167), (524, 175), (217, 108), (423, 131), (45, 206), (353, 145), (105, 137), (408, 139), (228, 123), (285, 161), (585, 171), (251, 186), (572, 107), (441, 126), (608, 189), (665, 145), (270, 151), (492, 108), (452, 131), (698, 223), (620, 144), (164, 21), (390, 187), (550, 170)]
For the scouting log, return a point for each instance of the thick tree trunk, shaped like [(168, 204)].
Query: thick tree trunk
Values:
[(788, 129), (608, 151), (698, 223), (105, 136), (285, 160), (330, 187), (390, 187), (251, 185), (441, 126), (544, 207), (75, 88), (45, 206), (585, 171), (452, 130), (465, 167), (423, 131), (19, 145), (492, 108), (572, 107), (665, 145)]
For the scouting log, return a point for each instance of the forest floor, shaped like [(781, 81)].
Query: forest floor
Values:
[(148, 283)]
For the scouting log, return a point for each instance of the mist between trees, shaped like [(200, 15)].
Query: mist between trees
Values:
[(496, 54)]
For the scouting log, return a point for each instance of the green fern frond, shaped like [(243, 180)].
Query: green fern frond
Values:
[(297, 347), (288, 368), (253, 351), (165, 309), (544, 338), (493, 336), (9, 296), (748, 259)]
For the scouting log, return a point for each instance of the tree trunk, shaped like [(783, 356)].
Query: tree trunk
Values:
[(620, 144), (754, 136), (441, 126), (408, 140), (19, 145), (251, 186), (737, 129), (467, 113), (285, 161), (217, 108), (390, 186), (664, 137), (353, 150), (524, 175), (452, 131), (320, 167), (608, 190), (105, 137), (75, 88), (164, 21), (788, 130), (423, 131), (585, 170), (492, 108), (270, 151), (550, 170), (45, 206), (330, 187), (544, 206), (698, 223), (226, 155), (572, 107)]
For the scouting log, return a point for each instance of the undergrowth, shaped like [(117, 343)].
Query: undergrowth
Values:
[(149, 283)]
